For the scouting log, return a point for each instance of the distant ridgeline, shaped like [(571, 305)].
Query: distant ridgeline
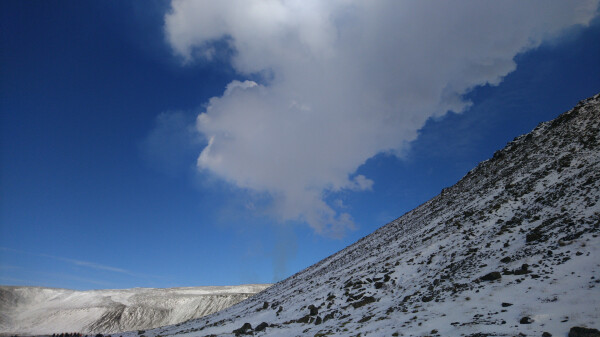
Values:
[(46, 311)]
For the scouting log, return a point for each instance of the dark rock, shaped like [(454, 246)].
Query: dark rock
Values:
[(491, 276), (365, 319), (329, 316), (506, 304), (507, 272), (318, 320), (505, 259), (378, 285), (366, 300), (526, 320), (533, 236), (265, 305), (262, 326), (480, 334), (313, 310), (524, 270), (578, 331), (245, 329), (305, 319), (427, 298), (546, 334)]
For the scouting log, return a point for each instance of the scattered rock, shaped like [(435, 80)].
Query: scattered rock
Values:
[(491, 276), (532, 236), (427, 298), (262, 326), (506, 304), (526, 320), (244, 330), (524, 270), (365, 319), (578, 331), (365, 300), (329, 316)]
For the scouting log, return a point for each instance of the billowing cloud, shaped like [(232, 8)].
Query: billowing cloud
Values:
[(342, 81)]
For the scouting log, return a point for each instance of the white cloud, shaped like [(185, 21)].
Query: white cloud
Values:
[(345, 80)]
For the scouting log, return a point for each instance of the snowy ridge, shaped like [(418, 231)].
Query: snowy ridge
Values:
[(511, 248), (36, 310)]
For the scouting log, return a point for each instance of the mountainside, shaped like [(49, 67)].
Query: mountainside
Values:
[(36, 310), (512, 248)]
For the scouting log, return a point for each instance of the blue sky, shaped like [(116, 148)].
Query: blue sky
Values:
[(333, 135)]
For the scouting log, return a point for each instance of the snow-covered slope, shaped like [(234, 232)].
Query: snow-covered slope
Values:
[(36, 310), (512, 248)]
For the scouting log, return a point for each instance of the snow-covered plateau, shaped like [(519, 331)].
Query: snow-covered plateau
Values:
[(38, 311), (511, 249)]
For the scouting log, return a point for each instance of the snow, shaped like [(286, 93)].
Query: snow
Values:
[(530, 215), (529, 203), (36, 310)]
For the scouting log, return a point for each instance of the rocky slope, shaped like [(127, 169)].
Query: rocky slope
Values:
[(512, 248), (36, 310)]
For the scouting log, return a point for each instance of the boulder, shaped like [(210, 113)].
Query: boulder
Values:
[(491, 276), (262, 326), (245, 329), (578, 331)]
